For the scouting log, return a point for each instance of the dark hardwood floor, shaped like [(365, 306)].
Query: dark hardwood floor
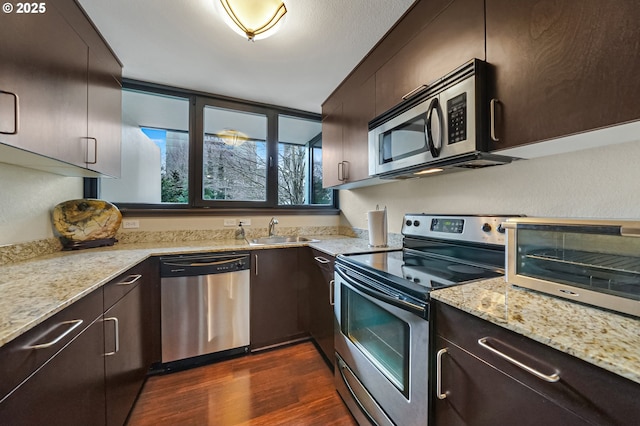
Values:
[(287, 386)]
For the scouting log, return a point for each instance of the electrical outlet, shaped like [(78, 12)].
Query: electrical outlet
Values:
[(229, 222), (245, 221), (130, 223)]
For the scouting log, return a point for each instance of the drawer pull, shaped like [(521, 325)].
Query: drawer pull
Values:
[(76, 324), (547, 378), (130, 279), (322, 260), (439, 393), (116, 325)]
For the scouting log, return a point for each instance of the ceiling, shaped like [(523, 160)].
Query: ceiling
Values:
[(186, 44)]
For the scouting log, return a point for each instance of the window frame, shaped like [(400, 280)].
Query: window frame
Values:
[(197, 205)]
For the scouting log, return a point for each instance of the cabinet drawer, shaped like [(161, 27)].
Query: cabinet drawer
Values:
[(19, 358), (325, 262), (582, 388), (117, 288)]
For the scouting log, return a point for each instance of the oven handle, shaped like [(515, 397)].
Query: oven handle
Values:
[(375, 290)]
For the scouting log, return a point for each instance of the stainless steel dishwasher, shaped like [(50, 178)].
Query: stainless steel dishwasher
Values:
[(204, 307)]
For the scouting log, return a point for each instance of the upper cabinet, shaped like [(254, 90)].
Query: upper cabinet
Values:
[(562, 67), (59, 93), (453, 34)]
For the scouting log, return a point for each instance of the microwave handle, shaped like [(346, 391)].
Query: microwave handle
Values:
[(434, 106)]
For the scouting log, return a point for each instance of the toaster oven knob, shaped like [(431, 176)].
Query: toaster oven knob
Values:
[(416, 223), (486, 227), (501, 229), (408, 222)]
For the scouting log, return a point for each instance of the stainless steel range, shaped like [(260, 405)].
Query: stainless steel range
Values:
[(382, 307)]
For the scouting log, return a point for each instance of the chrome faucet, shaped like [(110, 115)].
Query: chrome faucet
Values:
[(272, 226)]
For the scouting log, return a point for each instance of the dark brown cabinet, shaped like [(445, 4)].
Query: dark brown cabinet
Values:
[(43, 79), (562, 67), (60, 92), (483, 387), (345, 121), (452, 34), (276, 316), (128, 349), (79, 374), (54, 374), (319, 269)]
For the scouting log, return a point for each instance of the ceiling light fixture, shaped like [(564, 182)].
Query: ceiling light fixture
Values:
[(254, 19), (232, 137)]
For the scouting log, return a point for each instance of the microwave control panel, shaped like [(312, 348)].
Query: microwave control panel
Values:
[(457, 115)]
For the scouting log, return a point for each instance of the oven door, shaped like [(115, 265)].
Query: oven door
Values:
[(382, 346)]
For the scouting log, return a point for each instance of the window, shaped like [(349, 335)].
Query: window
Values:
[(155, 151), (186, 151)]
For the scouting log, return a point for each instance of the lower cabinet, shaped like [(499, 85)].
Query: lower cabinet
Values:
[(276, 314), (86, 364), (319, 269), (127, 349), (478, 385), (67, 390)]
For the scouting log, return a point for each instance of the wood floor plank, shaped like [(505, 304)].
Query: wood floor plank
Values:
[(287, 386)]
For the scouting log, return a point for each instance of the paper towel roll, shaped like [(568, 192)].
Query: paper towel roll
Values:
[(377, 228)]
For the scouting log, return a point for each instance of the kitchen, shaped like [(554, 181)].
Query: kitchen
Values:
[(598, 182)]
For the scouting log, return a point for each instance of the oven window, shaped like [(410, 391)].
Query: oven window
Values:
[(403, 141), (382, 337)]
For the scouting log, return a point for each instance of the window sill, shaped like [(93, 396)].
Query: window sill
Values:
[(203, 211)]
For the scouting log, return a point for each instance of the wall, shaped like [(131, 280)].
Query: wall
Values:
[(26, 199), (596, 183)]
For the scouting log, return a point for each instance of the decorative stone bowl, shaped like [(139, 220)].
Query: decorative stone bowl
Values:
[(86, 223)]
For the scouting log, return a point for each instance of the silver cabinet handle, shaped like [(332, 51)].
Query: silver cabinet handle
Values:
[(492, 111), (340, 171), (322, 260), (345, 170), (256, 264), (547, 378), (117, 336), (439, 393), (76, 324), (16, 113), (415, 91), (95, 151), (130, 279), (332, 285)]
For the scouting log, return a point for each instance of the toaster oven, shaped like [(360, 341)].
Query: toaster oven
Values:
[(596, 262)]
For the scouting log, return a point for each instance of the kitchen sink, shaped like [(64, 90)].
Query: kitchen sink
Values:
[(292, 239)]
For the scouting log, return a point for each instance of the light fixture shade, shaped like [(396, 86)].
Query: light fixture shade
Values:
[(254, 19), (232, 137)]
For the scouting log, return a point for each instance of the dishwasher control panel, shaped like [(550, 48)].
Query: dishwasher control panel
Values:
[(203, 264)]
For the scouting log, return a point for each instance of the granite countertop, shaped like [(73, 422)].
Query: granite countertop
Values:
[(36, 289), (606, 339)]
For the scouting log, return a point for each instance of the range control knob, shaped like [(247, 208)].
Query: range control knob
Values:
[(501, 229), (408, 222), (486, 227)]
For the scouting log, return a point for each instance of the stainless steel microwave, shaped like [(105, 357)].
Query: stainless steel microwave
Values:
[(445, 126), (596, 262)]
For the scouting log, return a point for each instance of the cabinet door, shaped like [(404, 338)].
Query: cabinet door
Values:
[(479, 394), (44, 67), (319, 267), (67, 390), (332, 122), (562, 67), (274, 297), (451, 38), (358, 110), (127, 354), (105, 112)]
